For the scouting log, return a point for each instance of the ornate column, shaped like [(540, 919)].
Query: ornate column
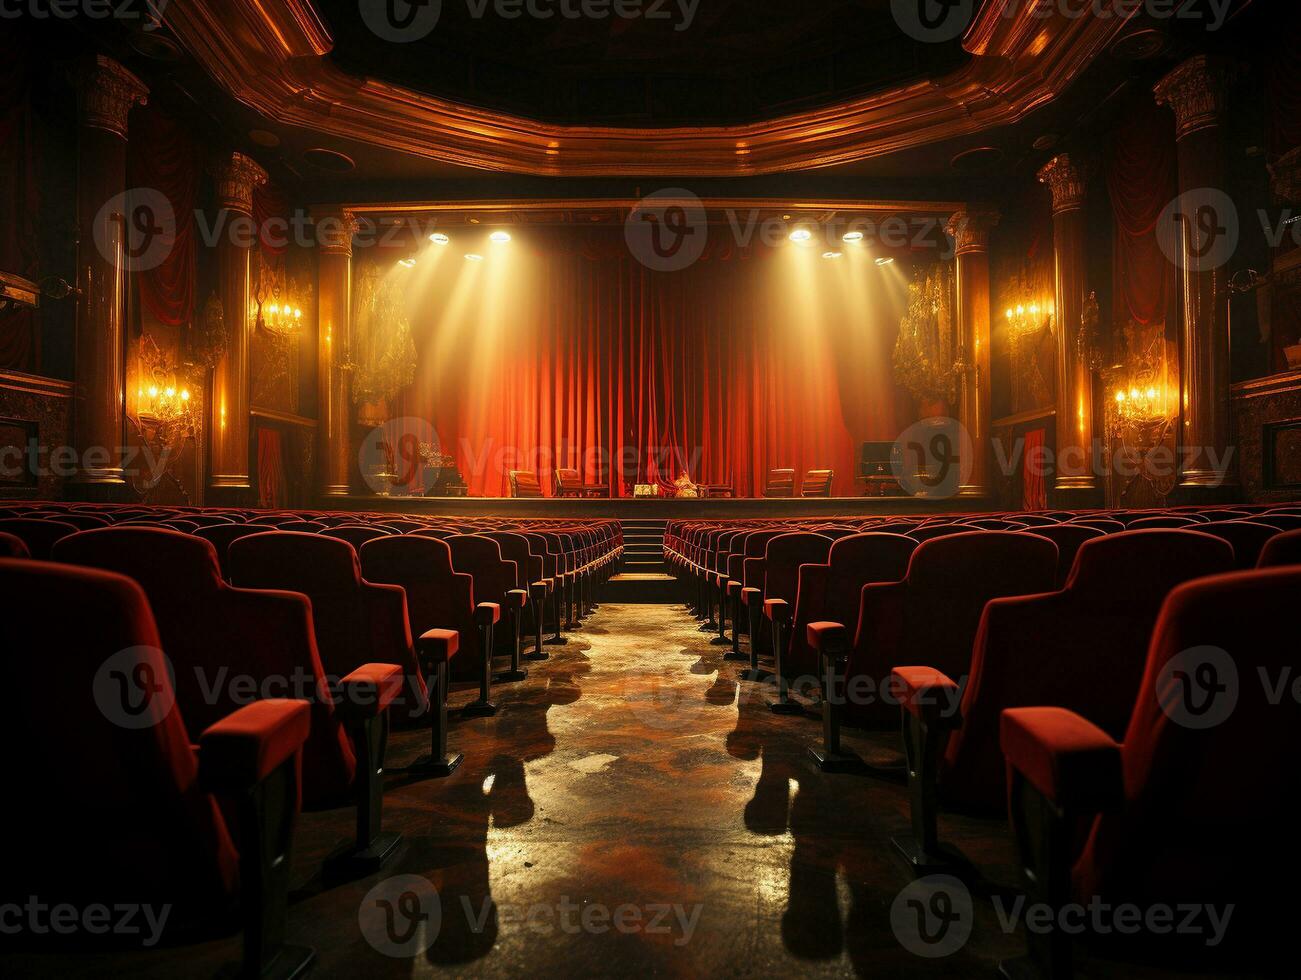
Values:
[(1076, 482), (334, 336), (970, 230), (228, 475), (1197, 92), (107, 93)]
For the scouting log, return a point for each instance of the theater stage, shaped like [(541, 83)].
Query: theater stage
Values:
[(627, 508)]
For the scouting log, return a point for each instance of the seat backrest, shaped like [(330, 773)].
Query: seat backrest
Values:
[(221, 536), (930, 531), (437, 597), (1283, 549), (1247, 538), (1209, 749), (106, 702), (817, 483), (12, 546), (1104, 524), (781, 483), (1165, 521), (524, 484), (1068, 538), (515, 547), (1284, 522), (481, 557), (1092, 661), (870, 557), (568, 481), (782, 560), (38, 534), (217, 637), (355, 534)]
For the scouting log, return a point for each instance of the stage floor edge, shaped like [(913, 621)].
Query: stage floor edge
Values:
[(626, 508)]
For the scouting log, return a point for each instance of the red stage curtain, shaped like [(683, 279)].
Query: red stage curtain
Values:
[(1034, 487), (1143, 178), (20, 199), (163, 157), (580, 356), (270, 468)]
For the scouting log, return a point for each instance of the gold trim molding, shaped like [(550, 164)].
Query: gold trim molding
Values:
[(35, 384), (1066, 179), (236, 176), (1197, 91), (272, 58)]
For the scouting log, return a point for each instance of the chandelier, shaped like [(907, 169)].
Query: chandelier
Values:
[(1028, 318), (277, 313), (1141, 405)]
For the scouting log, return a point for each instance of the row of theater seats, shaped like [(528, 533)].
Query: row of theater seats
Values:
[(216, 669), (1057, 667)]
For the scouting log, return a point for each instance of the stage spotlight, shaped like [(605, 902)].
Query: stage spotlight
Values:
[(472, 257), (500, 237), (832, 255), (884, 261), (801, 235), (408, 263), (438, 238), (852, 237)]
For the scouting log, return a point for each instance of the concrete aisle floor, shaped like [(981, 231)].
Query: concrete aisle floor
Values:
[(633, 809)]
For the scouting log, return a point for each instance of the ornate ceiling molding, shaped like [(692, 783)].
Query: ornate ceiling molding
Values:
[(272, 58)]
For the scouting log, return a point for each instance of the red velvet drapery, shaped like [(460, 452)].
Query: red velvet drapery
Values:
[(1142, 178), (1034, 487), (574, 354), (270, 468), (163, 157)]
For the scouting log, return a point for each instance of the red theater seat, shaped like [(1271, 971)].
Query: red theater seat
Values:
[(783, 557), (1195, 805), (1247, 537), (1069, 538), (356, 622), (222, 535), (356, 534), (229, 646), (931, 617), (38, 534), (1083, 648), (140, 823), (1283, 549), (12, 546)]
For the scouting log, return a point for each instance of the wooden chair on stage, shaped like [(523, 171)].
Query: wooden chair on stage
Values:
[(569, 483), (524, 484), (781, 483), (818, 483)]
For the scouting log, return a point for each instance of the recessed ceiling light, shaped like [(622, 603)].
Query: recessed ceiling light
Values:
[(408, 263), (832, 255), (853, 237), (474, 221), (438, 238), (500, 237), (801, 235), (472, 257), (884, 261)]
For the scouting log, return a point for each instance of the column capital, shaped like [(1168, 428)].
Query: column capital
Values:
[(1197, 91), (335, 230), (236, 176), (106, 93), (970, 229), (1066, 178)]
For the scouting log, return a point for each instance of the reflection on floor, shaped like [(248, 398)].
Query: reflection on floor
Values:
[(633, 808)]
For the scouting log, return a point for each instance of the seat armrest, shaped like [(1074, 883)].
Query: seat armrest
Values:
[(248, 745), (751, 596), (487, 613), (829, 639), (438, 646), (369, 690), (929, 694), (517, 598), (777, 610), (1070, 761)]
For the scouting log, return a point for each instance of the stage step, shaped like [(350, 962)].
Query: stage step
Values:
[(641, 588)]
